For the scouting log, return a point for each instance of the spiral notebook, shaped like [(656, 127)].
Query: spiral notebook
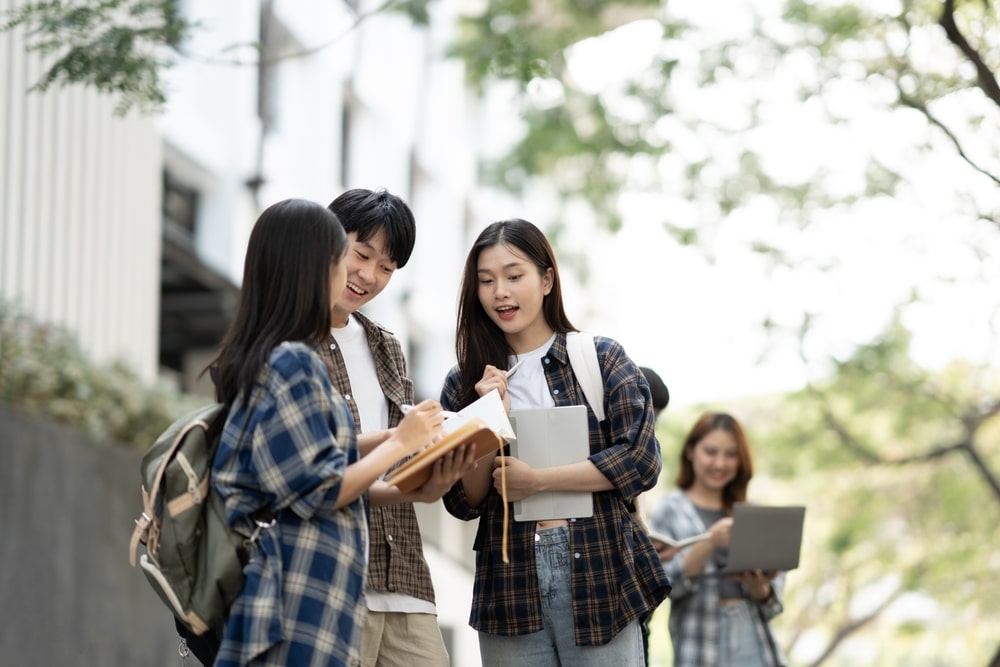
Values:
[(548, 437)]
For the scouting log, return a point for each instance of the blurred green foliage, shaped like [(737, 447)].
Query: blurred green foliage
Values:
[(902, 539), (45, 372)]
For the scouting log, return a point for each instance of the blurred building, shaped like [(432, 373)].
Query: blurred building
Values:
[(130, 231)]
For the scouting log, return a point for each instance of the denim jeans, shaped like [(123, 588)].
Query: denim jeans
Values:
[(740, 644), (555, 644)]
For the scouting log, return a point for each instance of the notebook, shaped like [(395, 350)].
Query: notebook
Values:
[(548, 437), (765, 538), (415, 472)]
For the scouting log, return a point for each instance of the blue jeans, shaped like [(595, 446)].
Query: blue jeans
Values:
[(737, 632), (555, 644)]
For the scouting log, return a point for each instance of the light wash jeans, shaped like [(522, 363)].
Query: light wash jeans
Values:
[(555, 645), (740, 644)]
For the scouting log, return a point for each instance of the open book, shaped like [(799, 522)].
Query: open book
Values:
[(676, 544), (414, 473)]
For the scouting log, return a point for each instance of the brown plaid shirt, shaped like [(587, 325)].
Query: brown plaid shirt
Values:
[(396, 561)]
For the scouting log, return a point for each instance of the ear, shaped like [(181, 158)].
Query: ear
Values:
[(548, 278)]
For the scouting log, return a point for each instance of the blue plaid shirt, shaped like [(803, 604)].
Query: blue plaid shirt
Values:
[(301, 604), (616, 575), (695, 622)]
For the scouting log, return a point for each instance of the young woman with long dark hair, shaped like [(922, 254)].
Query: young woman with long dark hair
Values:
[(715, 621), (288, 450), (575, 589)]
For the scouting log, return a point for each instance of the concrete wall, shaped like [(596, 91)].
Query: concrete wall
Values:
[(69, 595)]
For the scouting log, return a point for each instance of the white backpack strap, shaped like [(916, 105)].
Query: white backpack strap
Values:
[(583, 359)]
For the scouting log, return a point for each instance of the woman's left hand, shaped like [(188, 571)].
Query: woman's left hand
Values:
[(758, 584), (521, 478)]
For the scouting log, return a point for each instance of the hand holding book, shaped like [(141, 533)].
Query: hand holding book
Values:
[(414, 473)]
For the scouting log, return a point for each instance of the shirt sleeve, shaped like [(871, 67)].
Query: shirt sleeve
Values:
[(632, 462), (303, 447), (455, 500), (773, 606), (668, 517)]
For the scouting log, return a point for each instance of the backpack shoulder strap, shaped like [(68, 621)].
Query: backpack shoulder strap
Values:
[(583, 358)]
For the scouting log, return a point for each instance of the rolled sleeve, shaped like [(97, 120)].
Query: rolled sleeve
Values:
[(302, 462), (456, 502), (633, 462), (302, 441)]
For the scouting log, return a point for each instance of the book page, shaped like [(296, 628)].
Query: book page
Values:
[(675, 543), (490, 409)]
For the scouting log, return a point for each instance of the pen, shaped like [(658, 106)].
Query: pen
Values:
[(447, 413), (510, 371)]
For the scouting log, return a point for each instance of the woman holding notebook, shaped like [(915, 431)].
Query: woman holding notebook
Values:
[(715, 621), (288, 450), (560, 590)]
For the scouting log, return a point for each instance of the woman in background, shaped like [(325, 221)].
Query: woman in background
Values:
[(575, 589), (715, 621), (288, 450)]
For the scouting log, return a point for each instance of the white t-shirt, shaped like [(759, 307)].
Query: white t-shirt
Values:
[(527, 387), (373, 409)]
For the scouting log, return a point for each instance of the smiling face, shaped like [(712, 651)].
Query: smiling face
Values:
[(368, 269), (715, 459), (338, 279), (511, 291)]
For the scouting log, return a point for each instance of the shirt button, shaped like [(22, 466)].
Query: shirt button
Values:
[(388, 537), (347, 397), (545, 360), (555, 391), (576, 555)]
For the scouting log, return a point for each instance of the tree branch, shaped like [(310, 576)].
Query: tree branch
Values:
[(851, 626), (907, 101), (292, 55), (984, 75), (984, 470)]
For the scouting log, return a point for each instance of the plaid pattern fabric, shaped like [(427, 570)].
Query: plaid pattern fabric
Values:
[(694, 602), (301, 604), (396, 552), (616, 575)]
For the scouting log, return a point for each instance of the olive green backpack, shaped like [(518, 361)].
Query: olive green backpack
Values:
[(193, 558)]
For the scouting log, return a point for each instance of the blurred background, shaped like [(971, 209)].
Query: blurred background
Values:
[(790, 210)]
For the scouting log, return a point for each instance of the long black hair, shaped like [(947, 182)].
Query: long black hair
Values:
[(285, 294), (478, 341)]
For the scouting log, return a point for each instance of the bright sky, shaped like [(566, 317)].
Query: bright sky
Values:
[(697, 321)]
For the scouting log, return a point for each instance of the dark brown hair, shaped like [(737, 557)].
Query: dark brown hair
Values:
[(285, 294), (478, 341), (736, 490)]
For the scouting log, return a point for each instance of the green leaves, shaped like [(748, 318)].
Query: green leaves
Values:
[(115, 46), (44, 372)]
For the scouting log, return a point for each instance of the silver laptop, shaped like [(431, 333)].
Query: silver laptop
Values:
[(549, 437), (765, 538)]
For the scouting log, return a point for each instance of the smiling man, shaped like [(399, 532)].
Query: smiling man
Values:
[(367, 367)]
